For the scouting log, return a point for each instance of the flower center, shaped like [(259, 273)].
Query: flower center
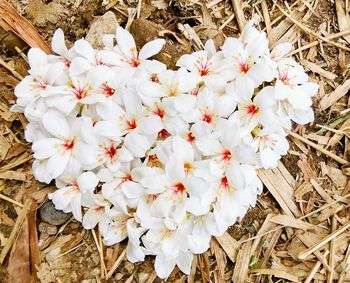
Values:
[(75, 186), (252, 109), (100, 208), (159, 112), (126, 178), (163, 134), (166, 234), (111, 151), (208, 118), (153, 161), (66, 62), (131, 124), (224, 182), (154, 78), (188, 167), (42, 85), (109, 91), (190, 137), (226, 155), (179, 188), (204, 70), (69, 144), (135, 63), (80, 92), (244, 67), (284, 79)]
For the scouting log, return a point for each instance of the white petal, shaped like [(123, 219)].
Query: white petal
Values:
[(184, 262), (58, 44), (79, 66), (57, 163), (56, 124), (84, 49), (90, 219), (137, 144), (45, 148), (125, 42), (151, 48), (87, 182), (163, 266), (150, 125)]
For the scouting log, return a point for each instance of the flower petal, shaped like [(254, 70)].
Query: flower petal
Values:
[(151, 48)]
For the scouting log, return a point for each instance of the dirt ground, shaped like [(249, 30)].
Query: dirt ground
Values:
[(266, 245)]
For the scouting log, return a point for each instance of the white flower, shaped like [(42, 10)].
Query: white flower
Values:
[(120, 189), (206, 66), (270, 147), (292, 87), (249, 68), (97, 214), (80, 91), (69, 197), (170, 248), (125, 55), (59, 47), (262, 110), (63, 145), (203, 228), (41, 81)]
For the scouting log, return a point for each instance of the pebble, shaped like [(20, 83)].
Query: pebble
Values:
[(52, 216), (95, 272), (142, 277), (47, 228), (105, 24), (129, 267), (118, 276)]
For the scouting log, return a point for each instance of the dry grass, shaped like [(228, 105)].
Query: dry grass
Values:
[(299, 231)]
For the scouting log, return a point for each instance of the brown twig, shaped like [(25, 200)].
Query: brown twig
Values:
[(11, 20)]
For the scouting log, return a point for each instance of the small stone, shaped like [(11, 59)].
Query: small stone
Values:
[(118, 276), (106, 24), (47, 228), (95, 258), (129, 267), (50, 215), (142, 277), (95, 272)]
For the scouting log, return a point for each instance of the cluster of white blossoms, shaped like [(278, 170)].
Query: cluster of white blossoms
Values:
[(165, 158)]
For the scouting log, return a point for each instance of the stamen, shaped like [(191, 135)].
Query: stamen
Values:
[(244, 68), (226, 155), (163, 134), (179, 188), (109, 91), (224, 182), (252, 109), (154, 78), (80, 92), (69, 144), (190, 137), (188, 167), (131, 124), (159, 112), (207, 118), (111, 151)]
